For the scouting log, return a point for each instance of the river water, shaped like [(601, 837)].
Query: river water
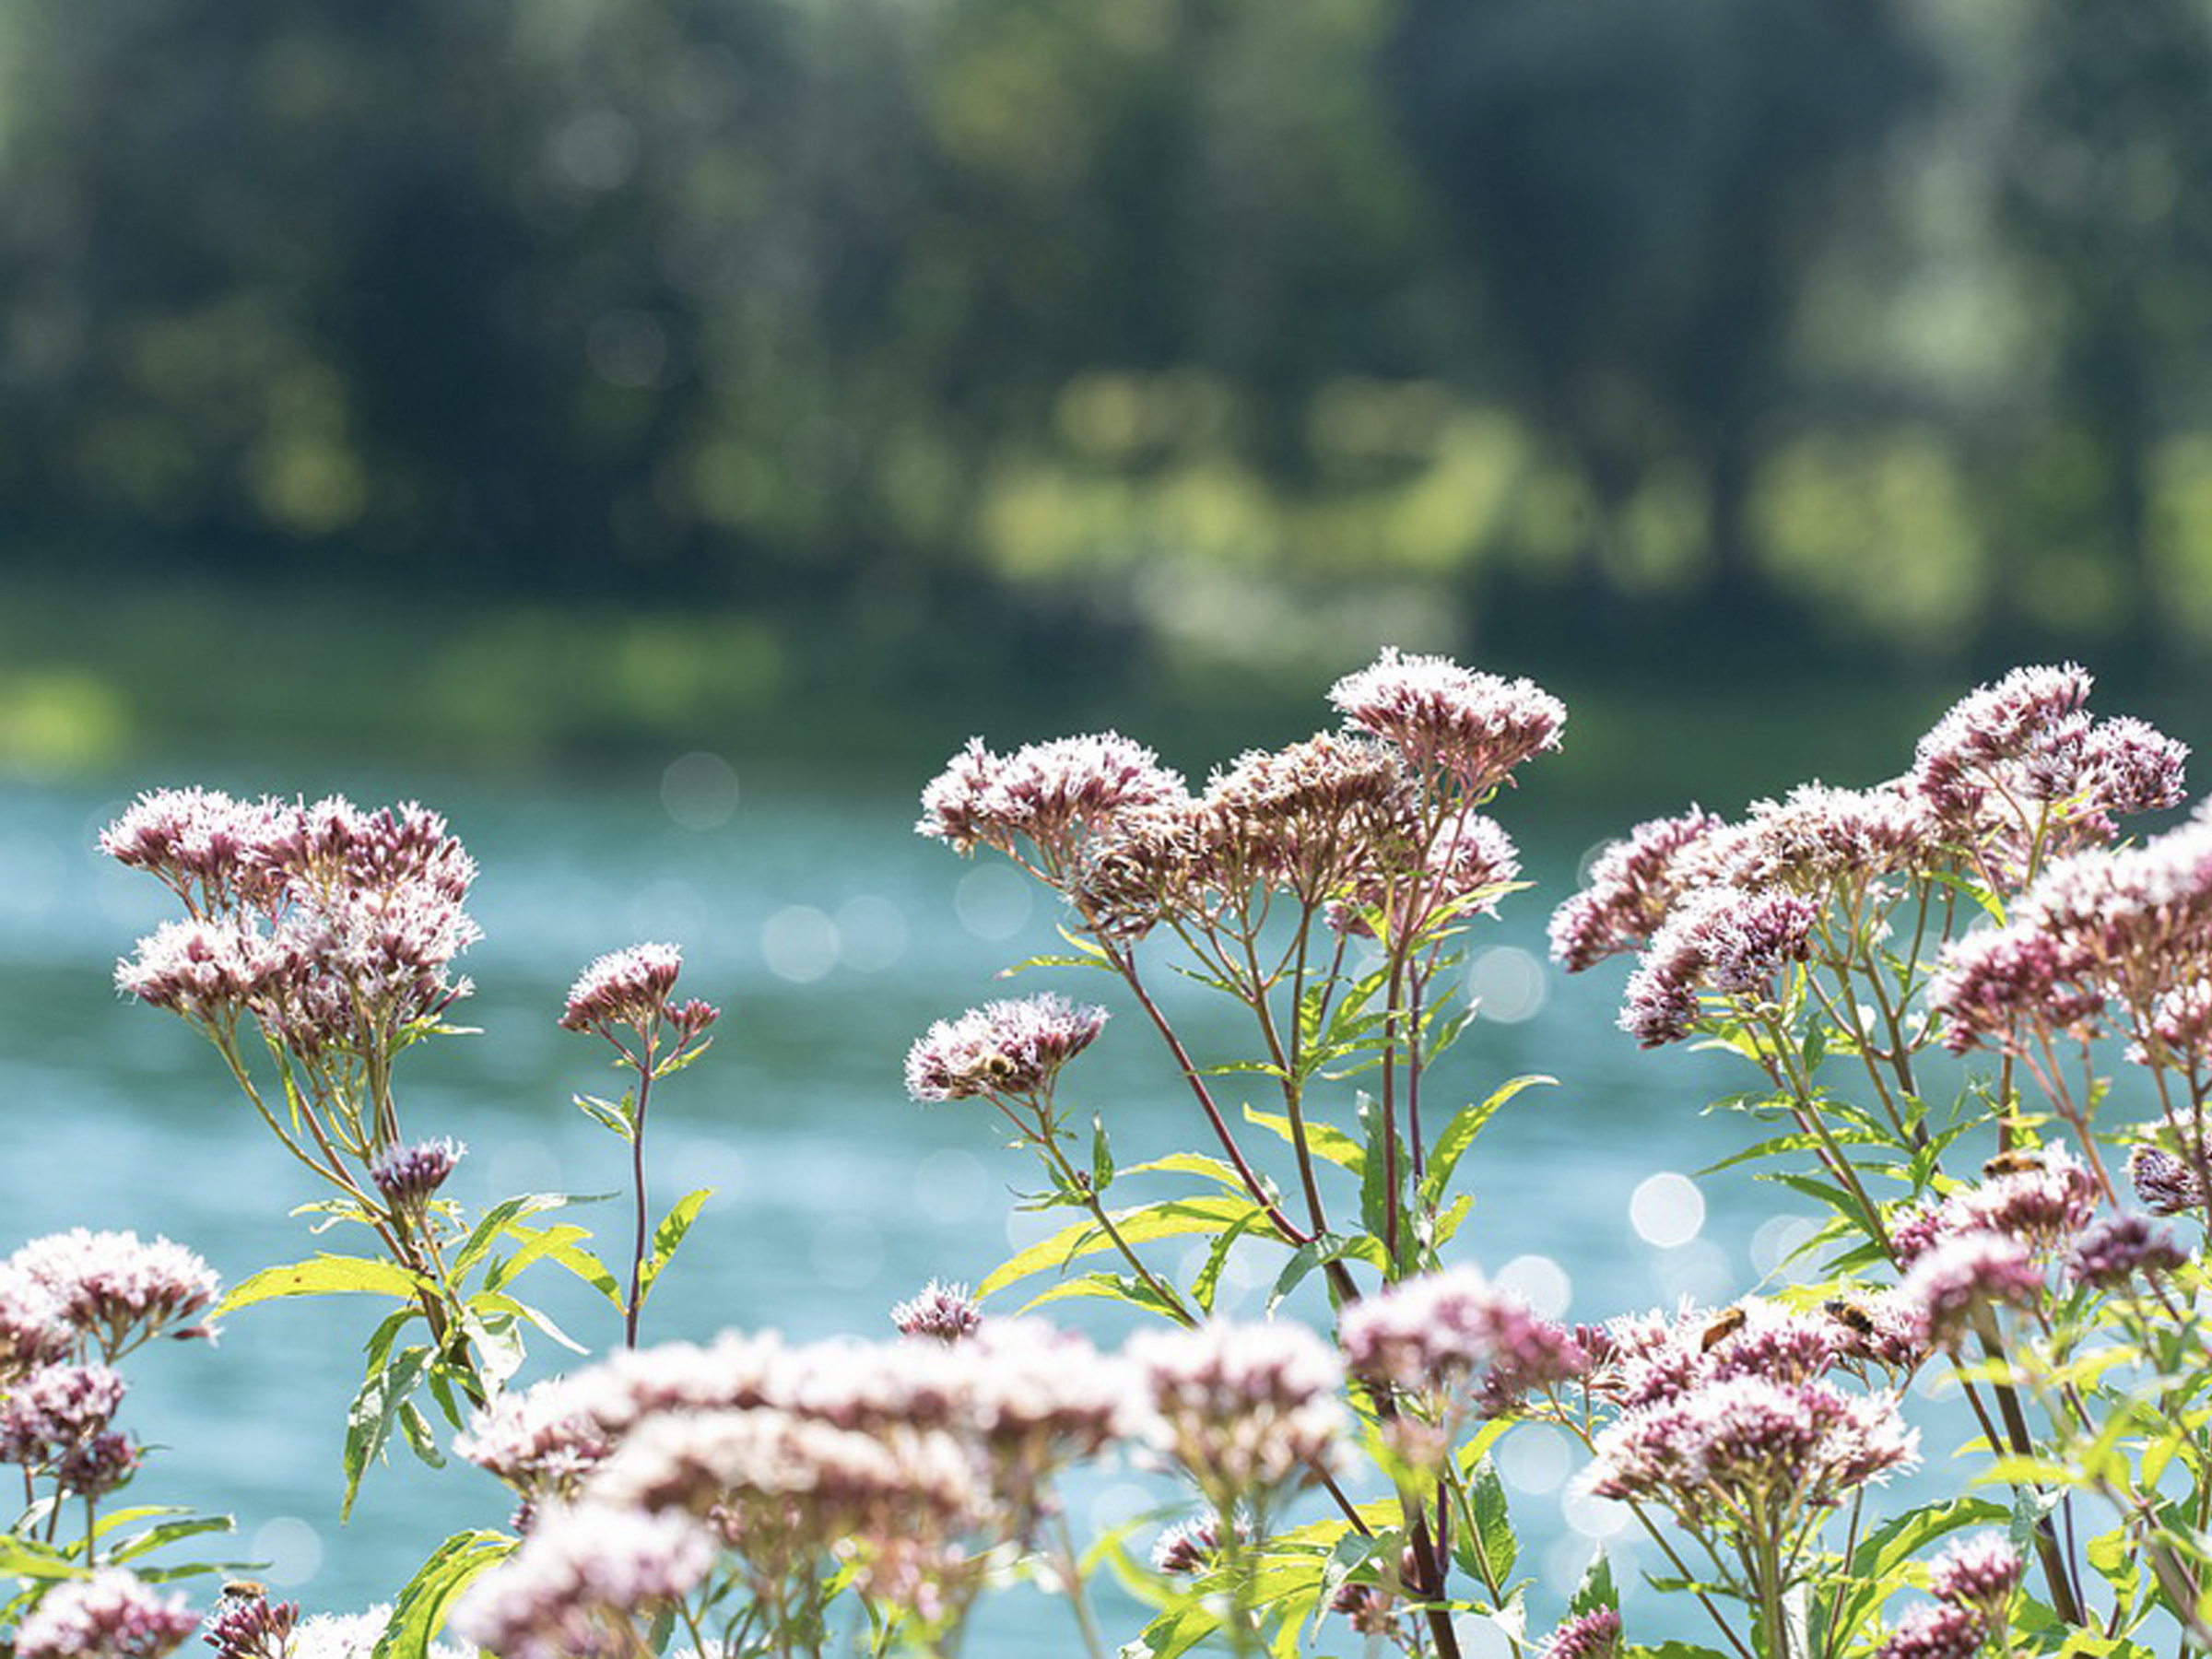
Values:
[(831, 936)]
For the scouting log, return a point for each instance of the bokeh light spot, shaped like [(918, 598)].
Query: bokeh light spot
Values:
[(700, 791), (1667, 1210), (1508, 984), (799, 944), (993, 902)]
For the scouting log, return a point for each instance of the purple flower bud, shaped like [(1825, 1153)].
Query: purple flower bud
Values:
[(2118, 1248), (1980, 1573), (409, 1176)]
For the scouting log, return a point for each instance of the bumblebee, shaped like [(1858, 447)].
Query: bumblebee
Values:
[(2018, 1161), (1720, 1327)]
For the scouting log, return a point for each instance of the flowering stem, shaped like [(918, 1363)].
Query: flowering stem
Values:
[(637, 1171), (1170, 1302), (1285, 1228), (1071, 1581)]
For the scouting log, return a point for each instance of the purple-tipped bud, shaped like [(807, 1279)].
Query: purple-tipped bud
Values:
[(409, 1176), (944, 1312), (1592, 1635), (247, 1625), (1980, 1573), (1936, 1630)]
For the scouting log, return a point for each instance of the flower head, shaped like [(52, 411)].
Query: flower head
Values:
[(550, 1598), (941, 1310), (632, 987), (1965, 1272), (1006, 1049), (1243, 1408), (1936, 1630), (1630, 887), (1443, 1330), (1476, 727), (410, 1176), (1723, 939), (2116, 1249), (112, 1615), (115, 1289), (1592, 1635), (1979, 1573), (2165, 1184), (1053, 796)]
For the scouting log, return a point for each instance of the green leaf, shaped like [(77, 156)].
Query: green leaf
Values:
[(1385, 1156), (1111, 1286), (1207, 1283), (167, 1533), (668, 1235), (497, 1220), (374, 1409), (1191, 1163), (421, 1609), (614, 1115), (1488, 1557), (1597, 1590), (1460, 1132), (1101, 1157), (325, 1276), (1324, 1140), (1170, 1218), (1173, 1632), (1319, 1250), (560, 1245)]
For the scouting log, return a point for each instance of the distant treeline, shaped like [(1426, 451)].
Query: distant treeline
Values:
[(1166, 315)]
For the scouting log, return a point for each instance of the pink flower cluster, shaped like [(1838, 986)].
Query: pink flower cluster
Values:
[(632, 988), (943, 1312), (903, 1460), (1592, 1635), (111, 1288), (336, 929), (1724, 1416), (2022, 758), (1046, 800), (1245, 1409), (1474, 727), (1973, 1580), (2125, 928), (1456, 1333), (1009, 1050), (1727, 940), (112, 1615)]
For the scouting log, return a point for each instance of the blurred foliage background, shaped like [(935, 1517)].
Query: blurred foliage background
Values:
[(542, 379)]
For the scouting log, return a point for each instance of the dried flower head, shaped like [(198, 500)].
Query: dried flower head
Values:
[(1474, 727), (2167, 1186), (112, 1615), (1006, 1049)]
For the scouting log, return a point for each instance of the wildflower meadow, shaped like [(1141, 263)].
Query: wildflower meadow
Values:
[(1971, 1009)]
